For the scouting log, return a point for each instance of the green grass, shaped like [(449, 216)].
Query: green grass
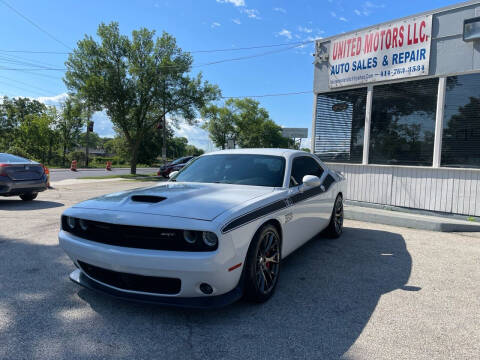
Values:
[(138, 177)]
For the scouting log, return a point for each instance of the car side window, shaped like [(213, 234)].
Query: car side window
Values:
[(304, 165)]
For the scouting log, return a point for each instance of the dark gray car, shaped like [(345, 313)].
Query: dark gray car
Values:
[(20, 176)]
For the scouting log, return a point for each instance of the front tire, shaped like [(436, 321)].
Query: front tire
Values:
[(335, 227), (262, 265), (28, 197)]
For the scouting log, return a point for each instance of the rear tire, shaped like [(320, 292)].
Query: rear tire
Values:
[(28, 197), (335, 227), (262, 265)]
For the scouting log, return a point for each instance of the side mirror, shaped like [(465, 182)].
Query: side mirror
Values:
[(172, 174), (310, 181)]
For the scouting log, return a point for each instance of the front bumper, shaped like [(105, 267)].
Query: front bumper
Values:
[(203, 302), (10, 187), (191, 268)]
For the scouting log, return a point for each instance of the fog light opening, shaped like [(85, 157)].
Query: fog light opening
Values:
[(206, 289)]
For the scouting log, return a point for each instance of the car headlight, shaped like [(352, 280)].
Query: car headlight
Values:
[(71, 222), (190, 236), (83, 224), (209, 238)]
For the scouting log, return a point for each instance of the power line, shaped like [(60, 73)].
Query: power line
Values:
[(22, 88), (20, 58), (245, 57), (36, 52), (43, 91), (50, 77), (13, 61), (30, 69), (177, 66), (192, 52), (34, 24), (251, 47)]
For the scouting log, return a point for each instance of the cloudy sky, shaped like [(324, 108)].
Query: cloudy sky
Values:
[(37, 36)]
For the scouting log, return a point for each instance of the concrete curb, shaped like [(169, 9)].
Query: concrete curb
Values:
[(83, 181), (414, 221)]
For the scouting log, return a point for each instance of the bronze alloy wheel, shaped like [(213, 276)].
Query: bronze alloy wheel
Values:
[(262, 264), (335, 227), (267, 264), (338, 215)]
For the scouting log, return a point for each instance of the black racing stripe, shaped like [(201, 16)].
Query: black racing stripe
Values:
[(242, 220), (279, 205), (306, 194)]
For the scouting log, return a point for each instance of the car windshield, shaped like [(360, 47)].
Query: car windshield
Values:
[(7, 158), (244, 169)]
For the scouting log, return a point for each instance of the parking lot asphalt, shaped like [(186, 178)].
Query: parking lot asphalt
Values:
[(378, 292)]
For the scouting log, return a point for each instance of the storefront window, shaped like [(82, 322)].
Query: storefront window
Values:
[(461, 125), (403, 123), (339, 125)]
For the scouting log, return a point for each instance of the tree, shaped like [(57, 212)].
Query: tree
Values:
[(36, 136), (138, 81), (94, 140), (220, 124), (250, 119), (244, 121), (194, 151), (70, 124), (13, 112)]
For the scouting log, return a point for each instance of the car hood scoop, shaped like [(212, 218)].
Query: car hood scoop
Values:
[(148, 198), (186, 200)]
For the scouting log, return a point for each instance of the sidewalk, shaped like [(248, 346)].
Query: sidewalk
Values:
[(407, 219)]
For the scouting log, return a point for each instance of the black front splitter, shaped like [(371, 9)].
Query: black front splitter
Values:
[(204, 302)]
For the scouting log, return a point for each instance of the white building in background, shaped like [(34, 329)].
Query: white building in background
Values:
[(397, 110)]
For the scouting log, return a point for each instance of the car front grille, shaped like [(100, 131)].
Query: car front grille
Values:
[(139, 237), (141, 283)]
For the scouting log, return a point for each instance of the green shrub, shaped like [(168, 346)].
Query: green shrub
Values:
[(77, 155)]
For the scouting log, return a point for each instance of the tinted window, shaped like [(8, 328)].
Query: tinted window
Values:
[(339, 125), (180, 160), (302, 166), (461, 124), (403, 123), (244, 169), (7, 158)]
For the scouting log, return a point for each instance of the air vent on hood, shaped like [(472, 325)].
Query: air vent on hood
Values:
[(148, 198)]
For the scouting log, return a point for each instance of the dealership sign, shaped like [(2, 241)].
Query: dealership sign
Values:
[(393, 51)]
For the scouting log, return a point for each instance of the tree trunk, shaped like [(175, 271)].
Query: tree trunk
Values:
[(133, 161), (64, 155), (50, 145)]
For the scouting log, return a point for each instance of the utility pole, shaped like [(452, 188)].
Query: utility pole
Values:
[(164, 143), (89, 129)]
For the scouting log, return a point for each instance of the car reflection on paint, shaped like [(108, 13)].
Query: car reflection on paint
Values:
[(175, 165)]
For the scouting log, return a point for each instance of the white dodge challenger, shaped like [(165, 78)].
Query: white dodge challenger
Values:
[(215, 232)]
